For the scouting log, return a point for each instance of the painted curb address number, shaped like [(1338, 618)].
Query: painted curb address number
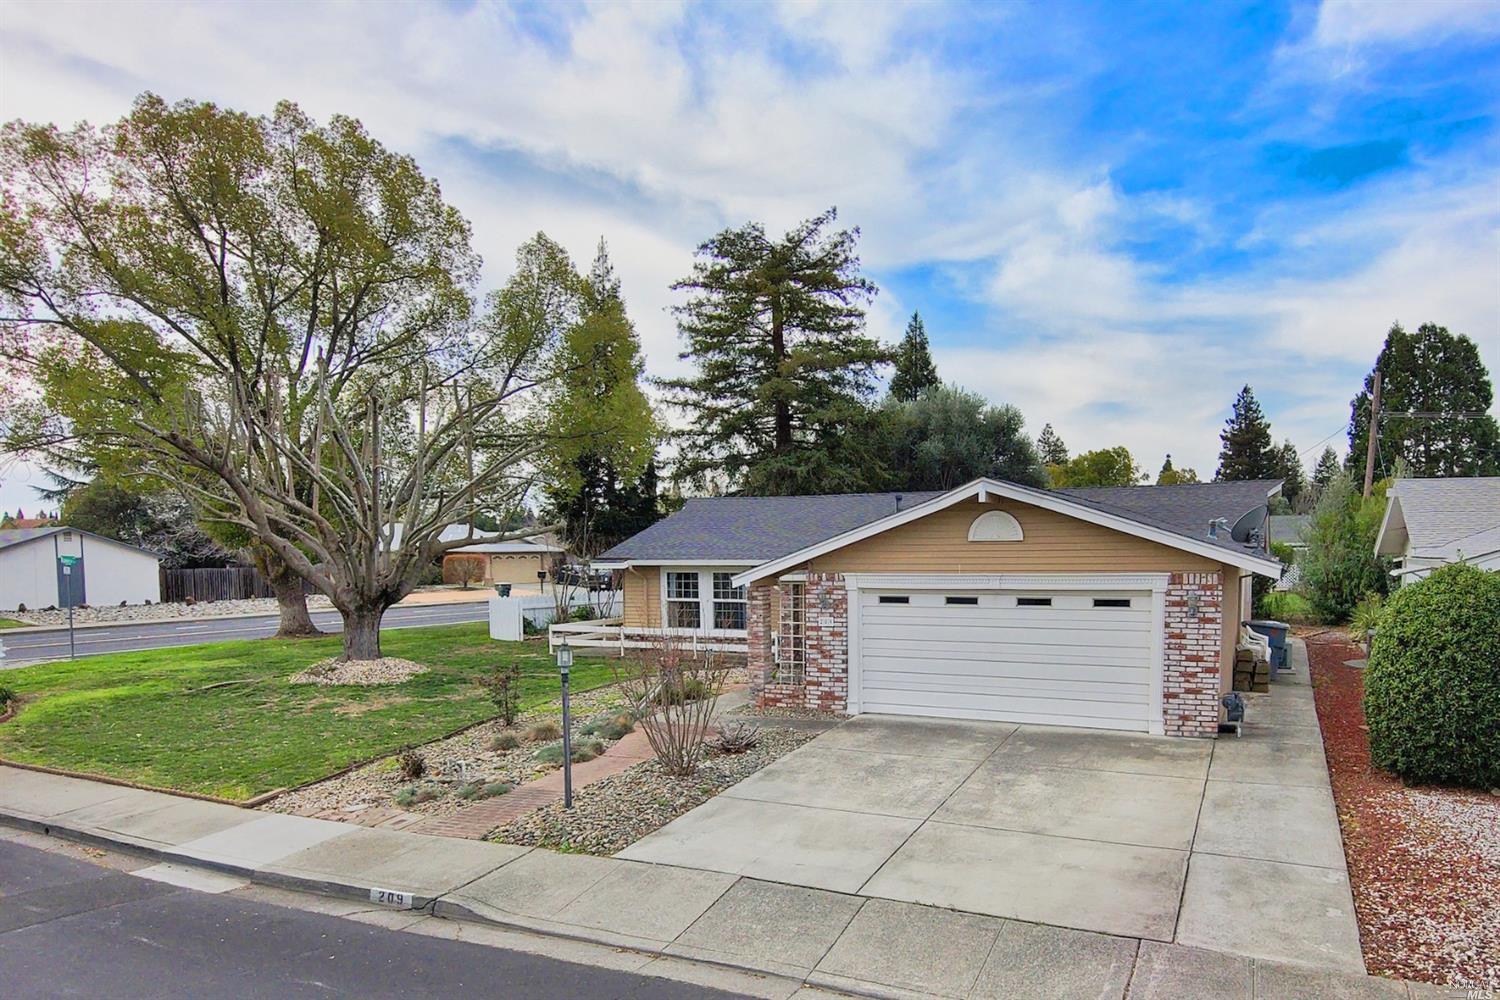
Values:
[(391, 897)]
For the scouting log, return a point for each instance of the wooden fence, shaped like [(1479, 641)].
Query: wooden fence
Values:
[(229, 583)]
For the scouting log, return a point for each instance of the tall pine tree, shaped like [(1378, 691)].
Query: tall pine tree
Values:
[(1050, 446), (1328, 466), (1293, 478), (1429, 372), (784, 369), (915, 371), (605, 501), (1246, 451)]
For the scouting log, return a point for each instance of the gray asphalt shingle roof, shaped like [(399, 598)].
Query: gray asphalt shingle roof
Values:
[(759, 529), (1439, 511)]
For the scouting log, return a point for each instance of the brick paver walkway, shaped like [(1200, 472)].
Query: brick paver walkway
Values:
[(473, 822)]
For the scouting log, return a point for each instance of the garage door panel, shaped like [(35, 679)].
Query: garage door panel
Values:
[(1082, 673), (1069, 663), (995, 635), (972, 615)]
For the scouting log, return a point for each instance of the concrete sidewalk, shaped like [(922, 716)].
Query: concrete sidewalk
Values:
[(789, 934)]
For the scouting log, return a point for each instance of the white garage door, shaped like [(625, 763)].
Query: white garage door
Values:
[(1073, 659)]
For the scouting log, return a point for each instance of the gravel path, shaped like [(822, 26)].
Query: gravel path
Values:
[(1424, 862), (615, 812), (460, 759), (162, 612)]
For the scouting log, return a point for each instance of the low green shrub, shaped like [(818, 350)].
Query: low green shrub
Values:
[(414, 794), (468, 791), (1432, 688), (610, 728), (505, 741), (7, 695), (495, 788), (1285, 606), (582, 751), (543, 731), (550, 754), (682, 691), (1365, 618)]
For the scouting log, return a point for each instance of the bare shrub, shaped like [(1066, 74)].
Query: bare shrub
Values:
[(411, 764), (736, 737), (503, 686), (674, 691)]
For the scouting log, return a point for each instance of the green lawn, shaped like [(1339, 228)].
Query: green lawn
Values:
[(11, 623), (137, 715), (1287, 606)]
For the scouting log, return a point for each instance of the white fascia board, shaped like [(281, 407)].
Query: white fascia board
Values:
[(610, 565), (703, 563), (1392, 510), (1024, 494)]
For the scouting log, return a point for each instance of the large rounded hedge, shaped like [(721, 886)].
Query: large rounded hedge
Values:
[(1432, 689)]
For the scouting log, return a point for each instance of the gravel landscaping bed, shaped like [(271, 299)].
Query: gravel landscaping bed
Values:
[(1424, 862), (787, 712), (613, 813), (451, 763), (162, 612), (334, 671)]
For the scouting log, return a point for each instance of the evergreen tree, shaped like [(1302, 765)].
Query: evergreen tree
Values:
[(1050, 446), (784, 370), (1323, 473), (915, 371), (1431, 371), (1246, 451), (1293, 479), (1170, 475), (947, 437), (605, 502)]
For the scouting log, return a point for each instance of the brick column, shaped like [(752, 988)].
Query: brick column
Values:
[(827, 686), (1192, 646), (758, 628)]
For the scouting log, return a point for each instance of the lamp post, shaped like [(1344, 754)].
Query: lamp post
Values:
[(564, 665)]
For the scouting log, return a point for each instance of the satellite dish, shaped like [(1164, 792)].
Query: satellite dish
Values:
[(1247, 524)]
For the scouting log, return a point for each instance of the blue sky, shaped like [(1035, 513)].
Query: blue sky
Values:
[(1112, 215)]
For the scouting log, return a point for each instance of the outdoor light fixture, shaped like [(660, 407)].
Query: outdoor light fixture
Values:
[(564, 665)]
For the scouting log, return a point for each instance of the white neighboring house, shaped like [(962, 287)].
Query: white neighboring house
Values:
[(108, 572), (1431, 522)]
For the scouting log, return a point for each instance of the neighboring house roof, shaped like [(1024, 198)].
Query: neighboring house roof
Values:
[(753, 531), (1428, 517), (521, 547), (18, 536), (1288, 528), (30, 522)]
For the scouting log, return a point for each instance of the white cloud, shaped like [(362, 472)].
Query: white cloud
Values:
[(1402, 22)]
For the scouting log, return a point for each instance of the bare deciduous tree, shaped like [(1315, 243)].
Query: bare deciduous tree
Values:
[(675, 691)]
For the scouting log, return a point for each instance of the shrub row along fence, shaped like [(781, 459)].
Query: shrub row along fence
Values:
[(228, 583)]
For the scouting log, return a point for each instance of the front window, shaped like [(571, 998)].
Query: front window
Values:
[(729, 602), (683, 608)]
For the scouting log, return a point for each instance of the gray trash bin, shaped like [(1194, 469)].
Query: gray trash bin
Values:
[(1276, 632)]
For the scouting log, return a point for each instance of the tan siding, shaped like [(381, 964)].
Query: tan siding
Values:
[(1232, 618), (642, 596), (1051, 543), (514, 568)]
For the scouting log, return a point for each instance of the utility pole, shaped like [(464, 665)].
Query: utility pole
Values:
[(1374, 432)]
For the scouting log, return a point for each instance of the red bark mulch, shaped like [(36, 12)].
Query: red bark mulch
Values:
[(1424, 861)]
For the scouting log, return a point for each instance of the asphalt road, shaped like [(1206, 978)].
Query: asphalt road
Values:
[(73, 929), (53, 644)]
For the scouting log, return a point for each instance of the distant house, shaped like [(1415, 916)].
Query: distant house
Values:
[(1431, 522), (106, 571), (517, 561), (1288, 530)]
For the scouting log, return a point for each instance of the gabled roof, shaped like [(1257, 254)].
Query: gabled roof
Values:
[(1287, 528), (19, 536), (1433, 513), (759, 531)]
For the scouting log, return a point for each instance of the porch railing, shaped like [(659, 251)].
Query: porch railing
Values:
[(611, 633)]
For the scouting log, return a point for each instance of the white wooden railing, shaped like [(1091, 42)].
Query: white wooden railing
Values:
[(611, 633)]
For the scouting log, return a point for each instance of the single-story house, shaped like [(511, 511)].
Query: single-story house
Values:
[(1111, 608), (1431, 522), (106, 572), (1289, 530), (517, 561)]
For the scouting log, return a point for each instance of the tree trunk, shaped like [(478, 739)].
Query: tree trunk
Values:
[(291, 594), (362, 633), (783, 415)]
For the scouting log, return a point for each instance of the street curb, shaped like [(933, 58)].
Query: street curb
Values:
[(33, 629), (437, 906)]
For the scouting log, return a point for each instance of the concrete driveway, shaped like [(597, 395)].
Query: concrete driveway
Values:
[(1230, 844)]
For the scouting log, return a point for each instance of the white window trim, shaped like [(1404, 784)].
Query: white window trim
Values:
[(1155, 583), (705, 601)]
